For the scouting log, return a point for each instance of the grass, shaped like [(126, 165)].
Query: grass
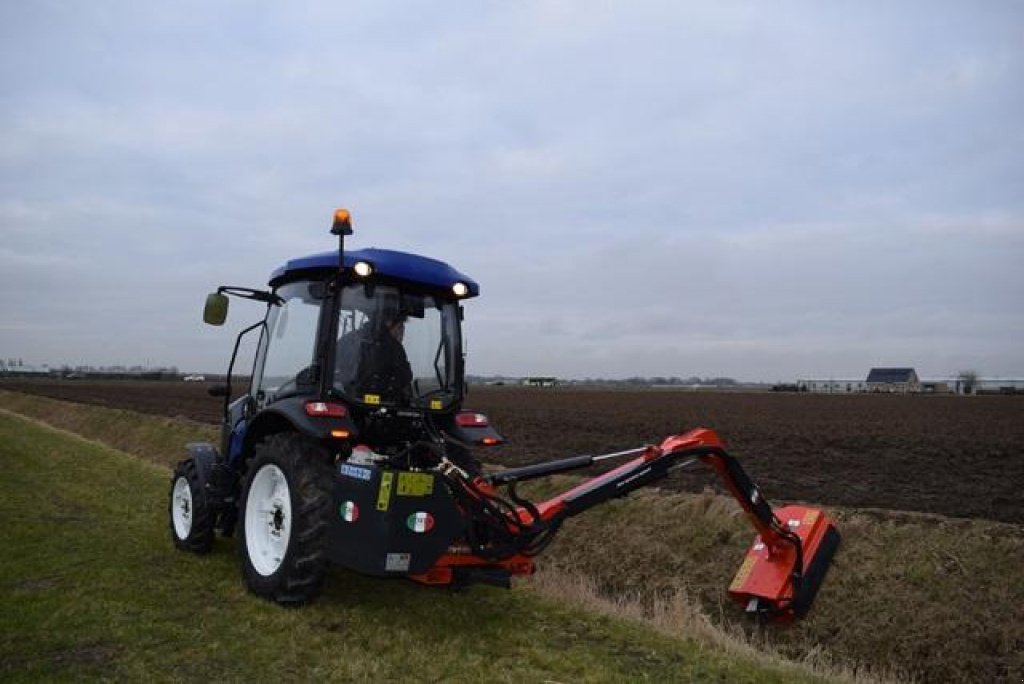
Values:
[(155, 438), (92, 589), (909, 595)]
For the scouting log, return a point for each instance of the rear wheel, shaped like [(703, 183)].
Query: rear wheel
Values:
[(283, 514), (191, 521)]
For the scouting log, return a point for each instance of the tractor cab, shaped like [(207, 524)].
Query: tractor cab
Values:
[(389, 331), (357, 348)]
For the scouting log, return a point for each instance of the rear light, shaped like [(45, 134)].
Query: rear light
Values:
[(490, 441), (325, 409), (471, 419)]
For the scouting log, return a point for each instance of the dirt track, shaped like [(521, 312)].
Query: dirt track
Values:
[(957, 456)]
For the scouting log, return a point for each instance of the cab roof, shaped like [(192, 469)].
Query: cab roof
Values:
[(388, 263)]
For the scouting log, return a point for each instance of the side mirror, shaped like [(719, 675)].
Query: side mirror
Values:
[(216, 310)]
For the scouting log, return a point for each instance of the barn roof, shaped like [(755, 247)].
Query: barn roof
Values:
[(891, 375)]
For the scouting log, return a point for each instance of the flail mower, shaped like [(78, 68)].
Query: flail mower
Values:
[(351, 446)]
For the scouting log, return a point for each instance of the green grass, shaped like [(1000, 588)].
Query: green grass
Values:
[(92, 588)]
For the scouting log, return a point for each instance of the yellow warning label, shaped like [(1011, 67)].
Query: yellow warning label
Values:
[(371, 399), (415, 484), (384, 495), (810, 516), (742, 574), (436, 404)]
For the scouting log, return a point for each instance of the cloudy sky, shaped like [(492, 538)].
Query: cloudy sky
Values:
[(760, 190)]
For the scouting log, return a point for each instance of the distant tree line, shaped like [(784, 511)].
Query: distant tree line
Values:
[(636, 380), (13, 366)]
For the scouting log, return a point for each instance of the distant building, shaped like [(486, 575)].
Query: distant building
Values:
[(999, 386), (540, 382), (893, 380), (906, 381), (831, 386)]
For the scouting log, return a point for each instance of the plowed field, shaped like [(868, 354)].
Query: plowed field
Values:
[(956, 456)]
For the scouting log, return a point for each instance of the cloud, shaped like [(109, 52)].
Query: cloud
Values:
[(712, 189)]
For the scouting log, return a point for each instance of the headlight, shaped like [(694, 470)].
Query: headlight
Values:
[(460, 289), (363, 268)]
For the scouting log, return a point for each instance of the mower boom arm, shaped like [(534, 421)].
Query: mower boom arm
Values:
[(652, 463), (786, 562)]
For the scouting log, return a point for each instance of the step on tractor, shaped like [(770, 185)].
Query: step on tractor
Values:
[(351, 446)]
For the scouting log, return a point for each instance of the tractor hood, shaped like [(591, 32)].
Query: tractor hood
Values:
[(388, 263)]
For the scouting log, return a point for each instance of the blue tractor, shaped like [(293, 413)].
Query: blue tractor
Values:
[(351, 446)]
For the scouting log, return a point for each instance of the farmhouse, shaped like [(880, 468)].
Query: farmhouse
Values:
[(878, 380), (893, 380)]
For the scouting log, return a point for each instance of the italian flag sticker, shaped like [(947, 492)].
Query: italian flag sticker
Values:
[(349, 511), (420, 522)]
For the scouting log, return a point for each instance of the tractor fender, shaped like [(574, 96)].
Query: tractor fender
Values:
[(204, 454), (289, 415), (477, 431)]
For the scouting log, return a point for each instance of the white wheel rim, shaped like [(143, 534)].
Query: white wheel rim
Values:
[(268, 519), (181, 508)]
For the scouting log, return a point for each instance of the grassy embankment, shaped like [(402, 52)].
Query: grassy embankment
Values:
[(92, 589), (925, 596)]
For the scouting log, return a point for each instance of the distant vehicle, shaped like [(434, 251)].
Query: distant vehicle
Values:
[(194, 378)]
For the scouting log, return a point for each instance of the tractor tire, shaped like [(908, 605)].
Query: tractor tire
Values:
[(190, 517), (283, 517)]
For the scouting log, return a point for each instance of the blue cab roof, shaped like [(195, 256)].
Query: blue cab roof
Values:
[(386, 262)]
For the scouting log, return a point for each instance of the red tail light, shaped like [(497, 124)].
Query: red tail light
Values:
[(325, 409), (471, 419)]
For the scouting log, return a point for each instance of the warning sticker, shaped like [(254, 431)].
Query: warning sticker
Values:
[(397, 562), (356, 472), (742, 574), (371, 399), (810, 516), (436, 404), (384, 495), (415, 484)]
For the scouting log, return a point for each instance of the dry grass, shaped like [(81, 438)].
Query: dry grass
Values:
[(908, 596), (678, 613)]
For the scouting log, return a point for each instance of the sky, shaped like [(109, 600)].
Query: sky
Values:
[(765, 191)]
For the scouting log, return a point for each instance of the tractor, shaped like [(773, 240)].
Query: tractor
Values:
[(351, 446)]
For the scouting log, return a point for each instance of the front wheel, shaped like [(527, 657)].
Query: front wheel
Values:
[(191, 520), (283, 513)]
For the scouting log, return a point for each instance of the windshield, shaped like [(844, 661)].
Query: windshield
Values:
[(288, 344), (396, 347)]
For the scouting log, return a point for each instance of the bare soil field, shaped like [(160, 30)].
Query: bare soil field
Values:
[(950, 455)]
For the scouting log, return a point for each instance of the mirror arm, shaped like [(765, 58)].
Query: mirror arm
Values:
[(250, 293)]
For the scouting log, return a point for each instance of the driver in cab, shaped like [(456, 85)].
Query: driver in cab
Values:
[(376, 360)]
